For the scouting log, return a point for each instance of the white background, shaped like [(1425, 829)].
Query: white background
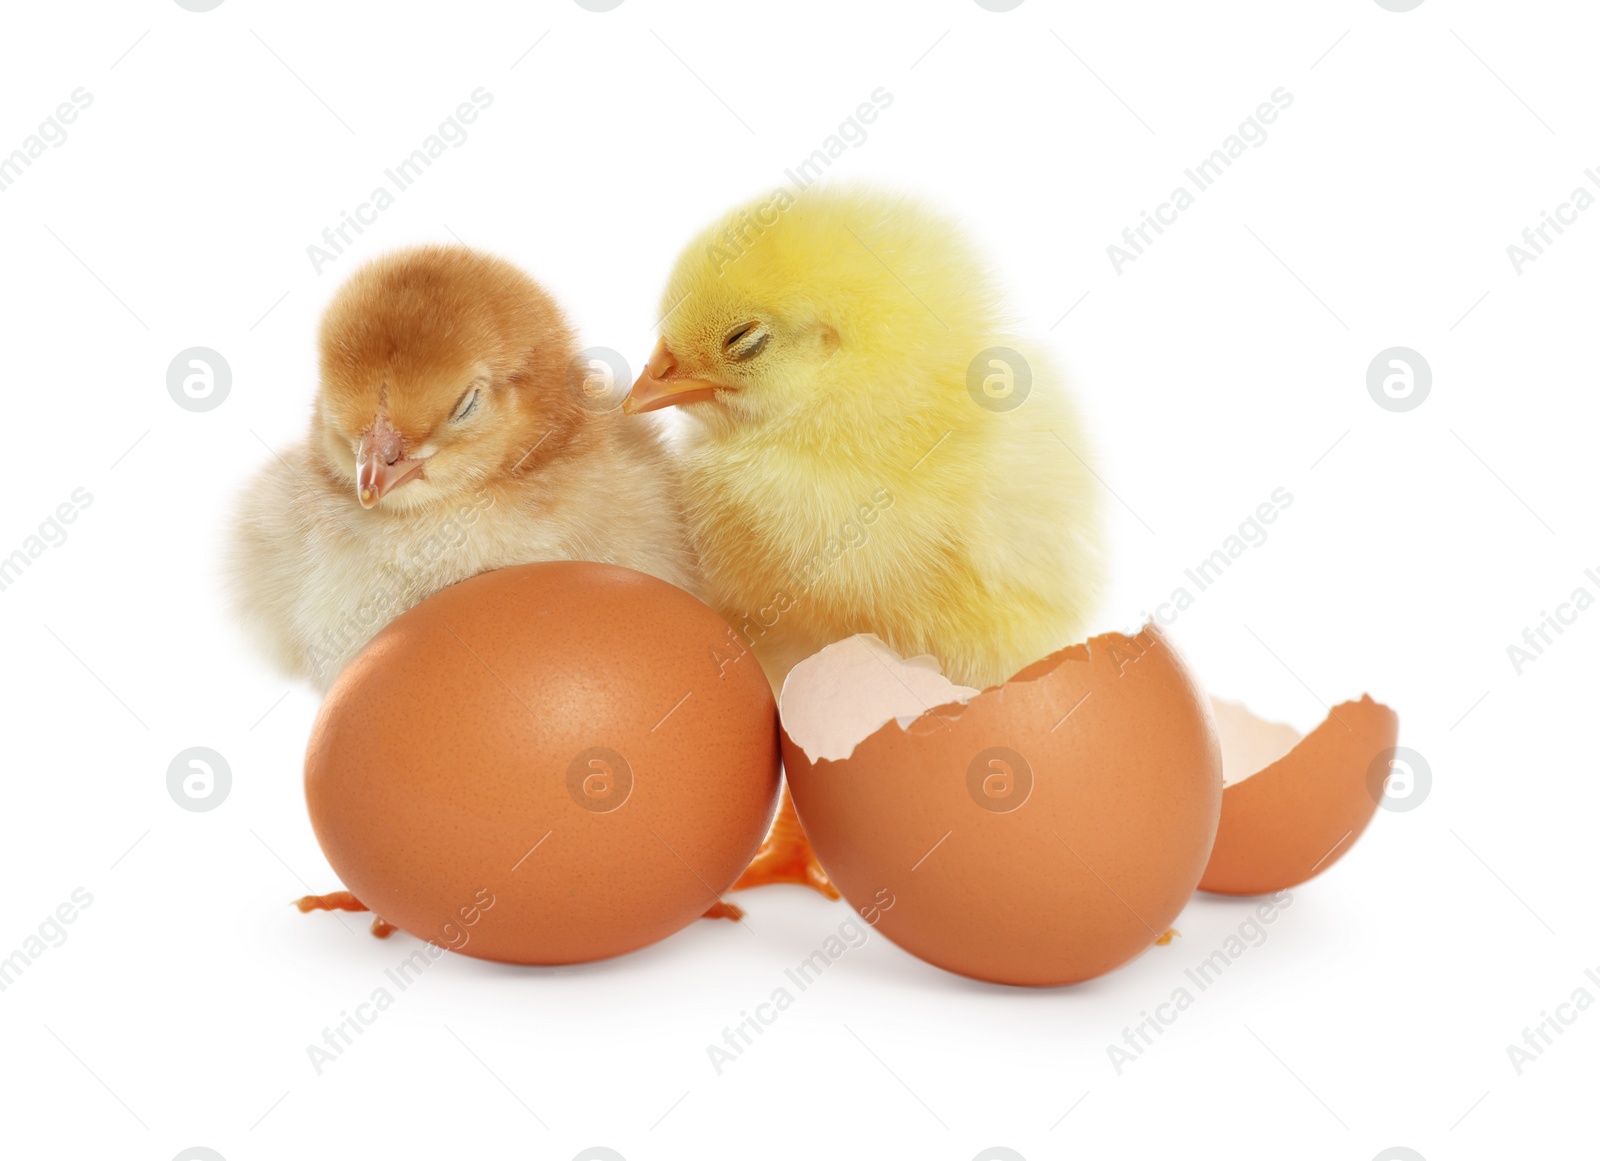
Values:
[(1228, 361)]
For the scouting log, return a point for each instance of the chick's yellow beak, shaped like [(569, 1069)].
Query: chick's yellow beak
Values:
[(660, 385)]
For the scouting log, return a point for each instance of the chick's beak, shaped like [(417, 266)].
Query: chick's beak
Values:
[(381, 462), (660, 385)]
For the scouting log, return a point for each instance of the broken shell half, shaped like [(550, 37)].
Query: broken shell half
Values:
[(1292, 806), (1040, 832)]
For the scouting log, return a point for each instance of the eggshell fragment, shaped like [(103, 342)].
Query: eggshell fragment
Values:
[(546, 764), (1043, 833), (1292, 806), (843, 695)]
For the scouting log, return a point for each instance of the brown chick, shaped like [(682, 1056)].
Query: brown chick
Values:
[(451, 435), (445, 441)]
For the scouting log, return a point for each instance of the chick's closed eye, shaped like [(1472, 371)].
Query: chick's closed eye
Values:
[(468, 404), (745, 342)]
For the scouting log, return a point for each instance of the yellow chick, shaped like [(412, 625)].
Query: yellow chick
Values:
[(870, 450)]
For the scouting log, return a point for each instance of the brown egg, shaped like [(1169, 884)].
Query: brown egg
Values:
[(546, 764), (1292, 806), (1042, 833)]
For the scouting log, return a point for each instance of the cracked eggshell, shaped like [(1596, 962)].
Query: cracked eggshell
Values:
[(1292, 806), (1042, 833)]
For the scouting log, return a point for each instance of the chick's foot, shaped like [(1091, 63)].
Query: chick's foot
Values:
[(344, 901), (786, 857)]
